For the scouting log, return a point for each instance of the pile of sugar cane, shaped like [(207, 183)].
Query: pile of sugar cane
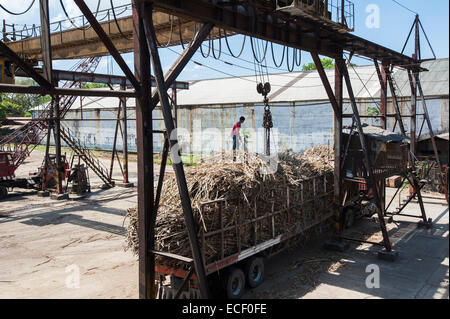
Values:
[(251, 188)]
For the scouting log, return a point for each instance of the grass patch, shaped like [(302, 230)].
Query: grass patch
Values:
[(188, 160)]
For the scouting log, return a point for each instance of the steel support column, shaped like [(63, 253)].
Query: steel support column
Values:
[(48, 75), (123, 105), (57, 135), (398, 115), (338, 150), (413, 142), (177, 163), (114, 150), (382, 77), (336, 100), (146, 216), (371, 182)]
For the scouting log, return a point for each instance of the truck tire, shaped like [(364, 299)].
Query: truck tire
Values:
[(235, 283), (254, 271), (349, 218), (3, 192)]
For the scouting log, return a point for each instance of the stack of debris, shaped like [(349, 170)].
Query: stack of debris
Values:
[(298, 184)]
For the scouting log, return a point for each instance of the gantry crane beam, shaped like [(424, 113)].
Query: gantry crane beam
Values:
[(259, 19)]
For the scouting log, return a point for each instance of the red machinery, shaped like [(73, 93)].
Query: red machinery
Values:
[(49, 178), (7, 178)]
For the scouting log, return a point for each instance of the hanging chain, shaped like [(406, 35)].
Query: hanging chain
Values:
[(267, 119)]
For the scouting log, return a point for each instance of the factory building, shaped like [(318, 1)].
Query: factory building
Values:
[(303, 116)]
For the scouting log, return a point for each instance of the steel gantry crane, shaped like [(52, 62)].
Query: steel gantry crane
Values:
[(258, 19)]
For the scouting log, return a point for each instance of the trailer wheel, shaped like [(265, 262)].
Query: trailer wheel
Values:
[(254, 271), (349, 218), (3, 192), (235, 283)]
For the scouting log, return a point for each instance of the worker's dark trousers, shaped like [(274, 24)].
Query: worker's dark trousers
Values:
[(235, 145)]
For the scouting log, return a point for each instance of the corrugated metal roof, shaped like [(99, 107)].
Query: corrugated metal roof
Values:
[(434, 82), (380, 134), (444, 136), (295, 86)]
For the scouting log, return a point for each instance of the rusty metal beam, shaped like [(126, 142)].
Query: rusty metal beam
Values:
[(177, 164), (63, 75), (428, 120), (45, 41), (107, 42), (269, 24), (395, 100), (338, 148), (10, 54), (183, 59), (82, 43), (11, 88), (146, 215), (382, 78), (326, 83), (123, 105)]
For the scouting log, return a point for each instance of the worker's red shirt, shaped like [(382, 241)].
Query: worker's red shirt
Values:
[(236, 128)]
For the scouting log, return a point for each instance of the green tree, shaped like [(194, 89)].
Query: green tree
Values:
[(326, 63), (21, 104), (373, 110), (2, 113), (94, 86)]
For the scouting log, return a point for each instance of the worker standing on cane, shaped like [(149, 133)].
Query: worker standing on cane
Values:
[(235, 135)]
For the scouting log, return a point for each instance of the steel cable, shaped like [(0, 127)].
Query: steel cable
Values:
[(287, 60), (18, 13), (228, 45), (220, 48), (273, 56), (299, 52), (253, 50), (117, 23)]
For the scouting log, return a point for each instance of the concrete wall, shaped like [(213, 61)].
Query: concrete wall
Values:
[(206, 129)]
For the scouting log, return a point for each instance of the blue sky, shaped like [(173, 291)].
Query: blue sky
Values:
[(394, 25)]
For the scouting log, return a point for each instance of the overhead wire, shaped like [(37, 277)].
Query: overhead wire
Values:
[(117, 23), (18, 13), (404, 7), (70, 19)]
